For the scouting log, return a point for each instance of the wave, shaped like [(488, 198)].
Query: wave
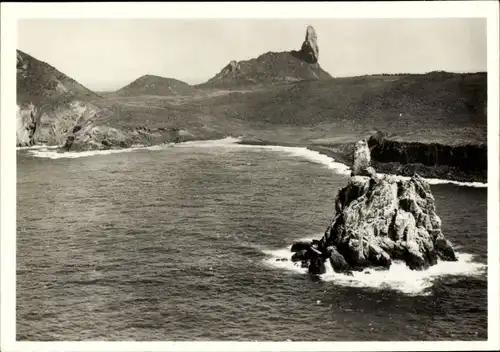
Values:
[(314, 156), (236, 143), (437, 181), (398, 278), (302, 152), (44, 153), (35, 147)]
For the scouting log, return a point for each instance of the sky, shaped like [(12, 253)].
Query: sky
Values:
[(108, 54)]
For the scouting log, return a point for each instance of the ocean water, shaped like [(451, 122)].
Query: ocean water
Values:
[(180, 243)]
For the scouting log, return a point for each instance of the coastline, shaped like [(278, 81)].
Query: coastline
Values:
[(340, 153)]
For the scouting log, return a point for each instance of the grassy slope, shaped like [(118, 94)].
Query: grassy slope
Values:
[(437, 107)]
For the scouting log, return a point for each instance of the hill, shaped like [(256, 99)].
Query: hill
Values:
[(48, 102), (404, 104), (155, 85), (38, 81), (268, 68), (273, 67)]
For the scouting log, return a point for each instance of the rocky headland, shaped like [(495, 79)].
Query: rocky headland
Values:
[(459, 161), (378, 220)]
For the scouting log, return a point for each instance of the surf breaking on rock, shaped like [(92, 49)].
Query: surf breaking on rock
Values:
[(378, 220)]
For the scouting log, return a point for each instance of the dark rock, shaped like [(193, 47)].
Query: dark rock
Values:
[(298, 246), (300, 256), (467, 158), (337, 260), (378, 257), (317, 266), (69, 142), (444, 250)]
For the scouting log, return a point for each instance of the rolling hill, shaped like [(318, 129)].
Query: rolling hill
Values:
[(154, 85)]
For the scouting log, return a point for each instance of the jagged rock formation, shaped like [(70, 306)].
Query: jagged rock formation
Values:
[(274, 67), (379, 220), (155, 85), (310, 49), (232, 69)]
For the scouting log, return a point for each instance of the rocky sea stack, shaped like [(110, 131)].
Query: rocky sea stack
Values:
[(379, 219)]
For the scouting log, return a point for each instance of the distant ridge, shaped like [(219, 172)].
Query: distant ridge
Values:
[(155, 85)]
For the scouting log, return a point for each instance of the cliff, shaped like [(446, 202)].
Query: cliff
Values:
[(49, 103), (461, 161), (54, 109)]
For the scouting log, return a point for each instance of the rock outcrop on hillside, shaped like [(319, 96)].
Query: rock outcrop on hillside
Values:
[(379, 220), (274, 67), (310, 49), (49, 103)]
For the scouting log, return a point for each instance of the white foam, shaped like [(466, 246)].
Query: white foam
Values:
[(224, 142), (231, 142), (73, 155), (43, 153), (40, 146), (301, 152), (313, 156), (398, 278), (437, 181)]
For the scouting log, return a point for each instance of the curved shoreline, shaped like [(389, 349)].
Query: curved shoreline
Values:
[(321, 155)]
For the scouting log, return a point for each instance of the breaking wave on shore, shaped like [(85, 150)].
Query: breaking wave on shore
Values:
[(231, 142)]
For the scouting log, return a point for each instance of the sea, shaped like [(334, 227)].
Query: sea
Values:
[(183, 242)]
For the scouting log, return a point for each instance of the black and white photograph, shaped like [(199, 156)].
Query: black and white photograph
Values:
[(310, 178)]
